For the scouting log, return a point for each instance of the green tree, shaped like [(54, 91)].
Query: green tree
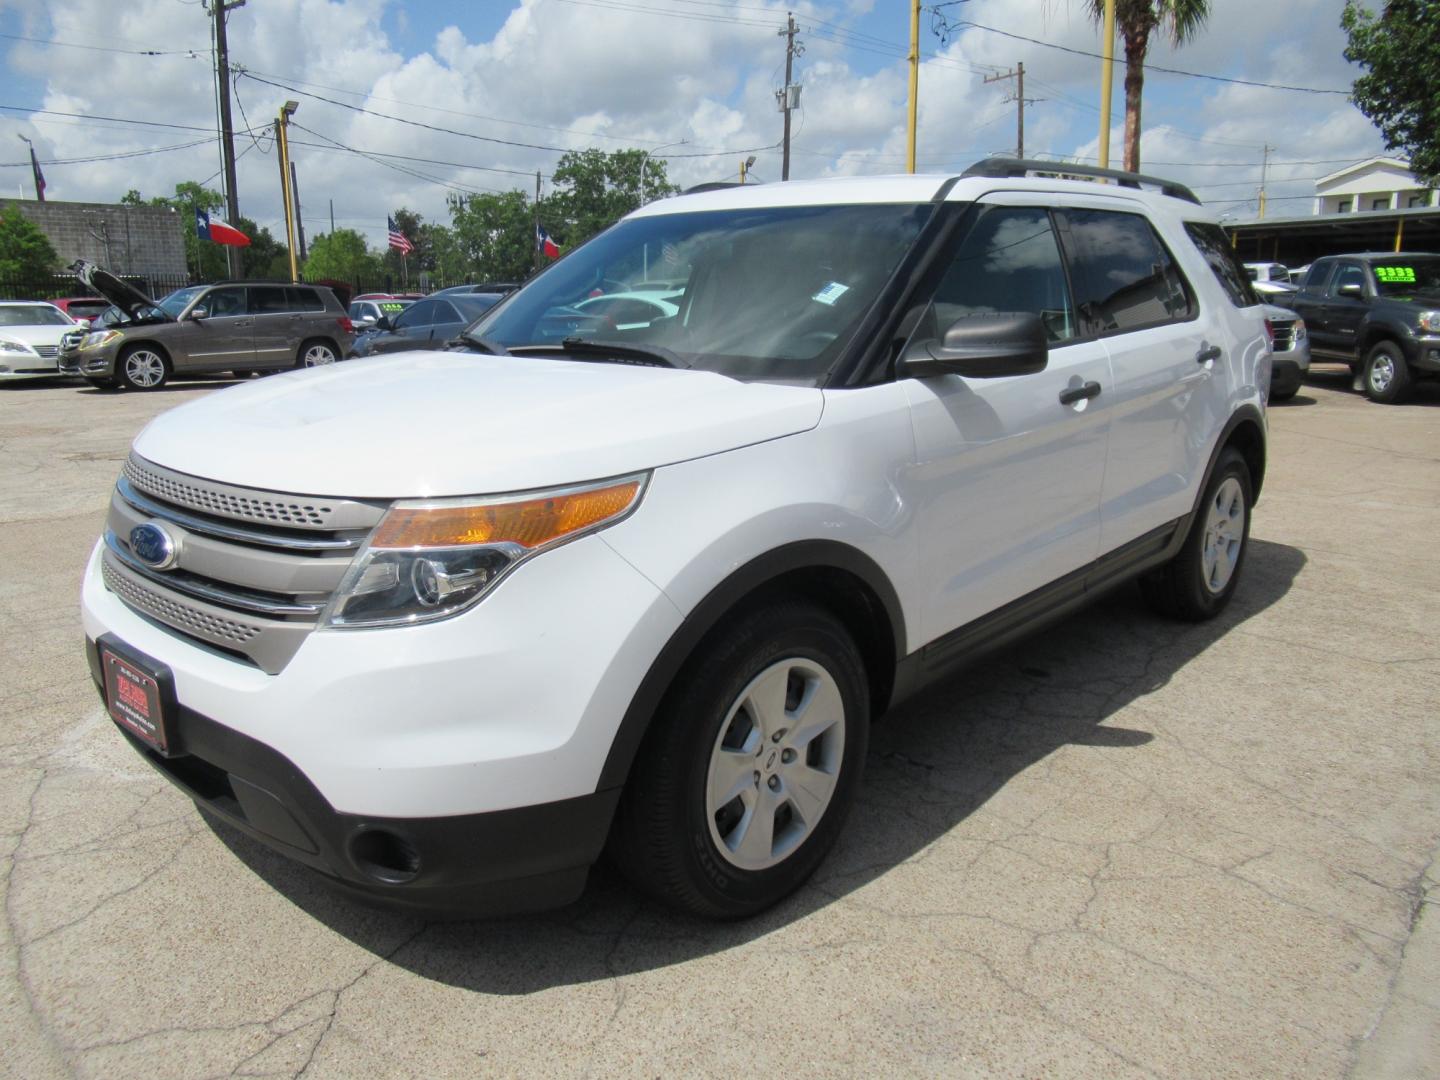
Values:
[(1400, 91), (25, 251), (419, 233), (264, 255), (493, 237), (595, 189), (343, 256), (1136, 21)]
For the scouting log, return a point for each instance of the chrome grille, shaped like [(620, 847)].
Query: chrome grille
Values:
[(181, 615), (49, 352), (1284, 331)]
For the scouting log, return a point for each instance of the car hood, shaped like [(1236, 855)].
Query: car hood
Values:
[(432, 424), (38, 335), (126, 297)]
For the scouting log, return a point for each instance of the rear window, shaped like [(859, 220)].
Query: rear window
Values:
[(1234, 278)]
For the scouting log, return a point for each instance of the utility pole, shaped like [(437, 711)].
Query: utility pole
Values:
[(218, 9), (788, 98), (745, 167), (1107, 79), (299, 221), (914, 83), (282, 141), (332, 217), (1264, 172), (1019, 75)]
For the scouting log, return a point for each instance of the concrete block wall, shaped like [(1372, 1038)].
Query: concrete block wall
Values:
[(124, 239)]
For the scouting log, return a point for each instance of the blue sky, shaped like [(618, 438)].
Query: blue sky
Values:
[(474, 79)]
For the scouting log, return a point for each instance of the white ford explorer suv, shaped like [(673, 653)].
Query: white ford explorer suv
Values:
[(444, 626)]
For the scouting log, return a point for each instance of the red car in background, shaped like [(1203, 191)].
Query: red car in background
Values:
[(82, 307)]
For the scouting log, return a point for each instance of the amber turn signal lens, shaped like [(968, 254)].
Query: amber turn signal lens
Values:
[(531, 523)]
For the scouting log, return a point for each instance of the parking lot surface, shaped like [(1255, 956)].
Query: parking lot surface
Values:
[(1125, 847)]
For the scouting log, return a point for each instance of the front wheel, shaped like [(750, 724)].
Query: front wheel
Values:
[(141, 367), (745, 780), (315, 354), (1199, 581), (1386, 377)]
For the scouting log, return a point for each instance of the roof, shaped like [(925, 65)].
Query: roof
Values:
[(1361, 166), (1386, 255)]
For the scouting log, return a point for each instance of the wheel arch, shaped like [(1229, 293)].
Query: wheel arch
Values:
[(1245, 431), (1371, 334), (318, 339), (146, 343), (833, 575)]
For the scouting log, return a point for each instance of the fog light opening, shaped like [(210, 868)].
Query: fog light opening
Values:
[(385, 856)]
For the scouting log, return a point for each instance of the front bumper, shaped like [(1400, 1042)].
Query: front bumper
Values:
[(1424, 353), (89, 363)]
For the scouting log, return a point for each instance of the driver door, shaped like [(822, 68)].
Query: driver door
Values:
[(224, 339)]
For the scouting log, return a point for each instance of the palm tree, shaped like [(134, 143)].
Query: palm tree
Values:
[(1136, 20)]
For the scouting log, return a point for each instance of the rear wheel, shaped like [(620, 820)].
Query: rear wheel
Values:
[(1387, 378), (315, 354), (1199, 581), (142, 367), (745, 779)]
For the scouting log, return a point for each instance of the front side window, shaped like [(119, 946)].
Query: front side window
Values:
[(179, 300), (222, 302), (1010, 261), (770, 293), (421, 314), (1125, 278), (1209, 240), (1318, 276)]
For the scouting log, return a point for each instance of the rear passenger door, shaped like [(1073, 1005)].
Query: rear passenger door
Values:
[(1006, 485), (275, 326), (1165, 348)]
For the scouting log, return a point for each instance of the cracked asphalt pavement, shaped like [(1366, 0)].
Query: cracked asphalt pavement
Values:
[(1124, 847)]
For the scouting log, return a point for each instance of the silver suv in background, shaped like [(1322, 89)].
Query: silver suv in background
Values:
[(236, 326)]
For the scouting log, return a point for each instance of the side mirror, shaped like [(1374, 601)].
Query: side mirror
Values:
[(365, 320), (384, 323), (988, 346), (199, 313), (1350, 290)]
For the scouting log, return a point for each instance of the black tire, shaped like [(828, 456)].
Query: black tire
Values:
[(142, 367), (308, 353), (666, 839), (103, 384), (1184, 588), (1386, 378)]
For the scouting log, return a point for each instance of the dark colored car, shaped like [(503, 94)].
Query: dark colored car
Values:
[(1379, 312), (368, 311), (235, 326), (426, 324), (500, 287)]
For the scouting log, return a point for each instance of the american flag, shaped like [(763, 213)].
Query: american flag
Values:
[(398, 239)]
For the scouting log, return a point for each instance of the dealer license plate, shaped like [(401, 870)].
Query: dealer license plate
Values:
[(132, 692)]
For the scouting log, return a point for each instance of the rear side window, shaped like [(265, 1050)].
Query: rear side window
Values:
[(1010, 261), (1125, 278), (1234, 278), (303, 300), (267, 300)]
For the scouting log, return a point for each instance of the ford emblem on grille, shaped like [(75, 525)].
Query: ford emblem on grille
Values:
[(151, 544)]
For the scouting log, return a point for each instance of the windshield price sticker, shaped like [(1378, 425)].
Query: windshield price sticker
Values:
[(1401, 274), (830, 293)]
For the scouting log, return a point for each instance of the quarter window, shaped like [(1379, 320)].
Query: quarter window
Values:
[(1125, 278), (297, 299), (1234, 278), (1010, 261)]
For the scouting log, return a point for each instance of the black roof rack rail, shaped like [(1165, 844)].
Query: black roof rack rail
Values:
[(716, 185), (1005, 166)]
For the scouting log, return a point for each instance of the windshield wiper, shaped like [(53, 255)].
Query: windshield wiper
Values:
[(485, 345), (615, 352)]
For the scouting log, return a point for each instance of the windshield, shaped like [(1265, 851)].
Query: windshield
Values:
[(32, 315), (1402, 277), (178, 300), (771, 293)]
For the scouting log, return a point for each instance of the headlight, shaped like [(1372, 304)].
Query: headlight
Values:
[(98, 338), (430, 559), (14, 346), (1430, 320), (1299, 333)]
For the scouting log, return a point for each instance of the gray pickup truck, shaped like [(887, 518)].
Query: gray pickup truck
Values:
[(1377, 312)]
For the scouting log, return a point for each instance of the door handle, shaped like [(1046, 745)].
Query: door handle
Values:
[(1204, 356), (1079, 393)]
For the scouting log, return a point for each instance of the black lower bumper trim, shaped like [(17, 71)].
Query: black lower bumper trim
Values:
[(522, 859)]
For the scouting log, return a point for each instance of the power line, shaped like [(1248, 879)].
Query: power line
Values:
[(94, 116), (193, 53), (1148, 67), (108, 157)]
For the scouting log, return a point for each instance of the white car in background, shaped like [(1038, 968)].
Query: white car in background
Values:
[(30, 333)]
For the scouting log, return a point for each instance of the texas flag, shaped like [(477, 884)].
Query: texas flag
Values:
[(544, 244), (218, 231)]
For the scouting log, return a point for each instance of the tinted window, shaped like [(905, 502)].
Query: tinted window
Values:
[(421, 314), (268, 300), (1350, 274), (1235, 279), (446, 313), (1126, 279), (1319, 275), (223, 302), (1009, 262), (303, 300)]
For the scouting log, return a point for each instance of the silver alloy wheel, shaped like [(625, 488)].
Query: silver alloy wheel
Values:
[(1382, 372), (775, 763), (318, 355), (145, 368), (1224, 533)]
